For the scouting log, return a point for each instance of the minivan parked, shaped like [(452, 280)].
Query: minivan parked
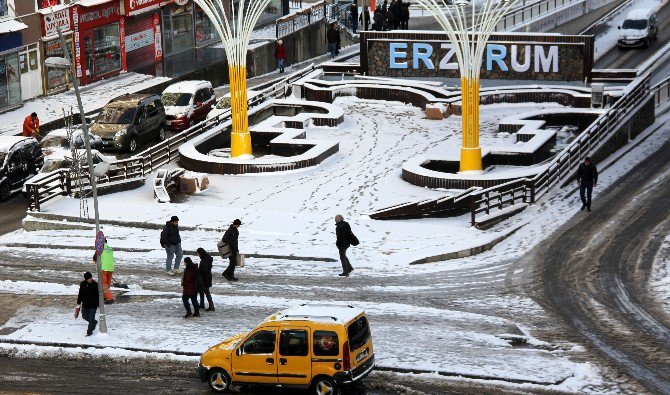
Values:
[(20, 158), (638, 29), (308, 346), (129, 120), (187, 103)]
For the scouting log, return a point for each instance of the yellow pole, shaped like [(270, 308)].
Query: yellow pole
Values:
[(471, 153), (240, 139)]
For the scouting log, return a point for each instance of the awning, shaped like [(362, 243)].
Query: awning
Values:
[(56, 8), (92, 3), (12, 26)]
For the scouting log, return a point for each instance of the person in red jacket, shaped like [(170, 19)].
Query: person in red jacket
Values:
[(31, 126), (188, 283), (280, 55)]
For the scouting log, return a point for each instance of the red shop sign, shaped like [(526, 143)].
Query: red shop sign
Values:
[(103, 14), (132, 6)]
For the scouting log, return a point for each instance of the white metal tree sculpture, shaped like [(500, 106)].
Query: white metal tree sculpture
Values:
[(469, 26), (234, 21)]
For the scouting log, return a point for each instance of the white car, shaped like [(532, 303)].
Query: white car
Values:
[(57, 140), (223, 104), (187, 103), (63, 160)]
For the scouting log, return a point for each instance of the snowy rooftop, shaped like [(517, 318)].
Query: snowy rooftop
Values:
[(315, 312), (187, 86), (640, 13)]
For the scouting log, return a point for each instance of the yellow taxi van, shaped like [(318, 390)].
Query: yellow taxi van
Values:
[(319, 347)]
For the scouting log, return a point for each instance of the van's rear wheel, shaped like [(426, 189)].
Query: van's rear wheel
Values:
[(324, 385), (218, 380)]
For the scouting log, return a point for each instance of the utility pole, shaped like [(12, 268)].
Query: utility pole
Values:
[(75, 83)]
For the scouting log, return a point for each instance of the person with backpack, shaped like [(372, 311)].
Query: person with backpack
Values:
[(345, 239), (171, 241), (230, 239), (205, 270), (189, 284)]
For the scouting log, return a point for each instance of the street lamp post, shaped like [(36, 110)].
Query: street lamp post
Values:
[(67, 64), (469, 26)]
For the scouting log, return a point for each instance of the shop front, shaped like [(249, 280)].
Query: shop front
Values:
[(97, 39), (142, 36), (10, 75), (55, 79)]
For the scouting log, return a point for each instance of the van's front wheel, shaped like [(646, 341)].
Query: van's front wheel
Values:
[(324, 385), (218, 380)]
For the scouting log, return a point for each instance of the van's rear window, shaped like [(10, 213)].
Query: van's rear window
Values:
[(359, 333)]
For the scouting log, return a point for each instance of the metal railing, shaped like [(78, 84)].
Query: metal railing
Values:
[(661, 92), (60, 183), (531, 11), (564, 165), (300, 19)]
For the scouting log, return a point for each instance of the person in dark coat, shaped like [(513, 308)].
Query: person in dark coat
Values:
[(280, 55), (385, 7), (205, 270), (332, 37), (395, 14), (190, 288), (354, 16), (404, 15), (343, 241), (587, 178), (171, 241), (365, 19), (378, 25), (88, 300), (339, 39), (230, 238)]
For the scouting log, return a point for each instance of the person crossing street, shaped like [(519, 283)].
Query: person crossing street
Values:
[(587, 178)]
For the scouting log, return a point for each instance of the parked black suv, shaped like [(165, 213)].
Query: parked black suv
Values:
[(20, 159), (129, 120)]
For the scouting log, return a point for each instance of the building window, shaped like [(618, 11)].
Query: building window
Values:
[(178, 29), (10, 80), (42, 4), (204, 30), (102, 48)]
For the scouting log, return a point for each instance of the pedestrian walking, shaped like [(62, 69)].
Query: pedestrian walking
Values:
[(345, 239), (87, 301), (171, 241), (280, 55), (587, 178), (331, 36), (190, 288), (107, 268), (230, 238), (31, 126), (365, 19), (354, 16), (205, 270)]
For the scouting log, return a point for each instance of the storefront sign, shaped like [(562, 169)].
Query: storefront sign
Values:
[(133, 6), (59, 19), (140, 40), (506, 56), (98, 16), (122, 36), (77, 42)]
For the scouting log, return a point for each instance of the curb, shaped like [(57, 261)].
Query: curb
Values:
[(378, 367), (468, 251), (186, 252)]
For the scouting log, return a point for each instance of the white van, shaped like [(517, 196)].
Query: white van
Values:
[(638, 29)]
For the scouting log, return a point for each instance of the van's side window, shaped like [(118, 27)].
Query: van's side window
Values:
[(293, 343), (262, 342), (326, 344)]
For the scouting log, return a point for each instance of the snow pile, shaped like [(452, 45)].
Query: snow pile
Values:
[(660, 279)]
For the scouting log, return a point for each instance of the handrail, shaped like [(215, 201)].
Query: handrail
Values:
[(661, 92)]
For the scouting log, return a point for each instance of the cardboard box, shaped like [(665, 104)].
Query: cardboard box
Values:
[(434, 113), (204, 183), (187, 185)]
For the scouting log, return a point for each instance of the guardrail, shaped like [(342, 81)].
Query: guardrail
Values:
[(132, 169), (300, 19), (565, 164), (530, 11), (661, 92)]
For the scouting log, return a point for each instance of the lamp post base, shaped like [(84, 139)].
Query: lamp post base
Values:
[(471, 159), (240, 144)]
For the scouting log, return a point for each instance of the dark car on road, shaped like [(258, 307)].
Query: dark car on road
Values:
[(20, 159), (130, 120)]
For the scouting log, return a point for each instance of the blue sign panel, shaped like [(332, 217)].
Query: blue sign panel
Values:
[(10, 41)]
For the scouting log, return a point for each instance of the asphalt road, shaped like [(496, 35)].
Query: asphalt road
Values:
[(12, 213), (632, 58), (594, 272)]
